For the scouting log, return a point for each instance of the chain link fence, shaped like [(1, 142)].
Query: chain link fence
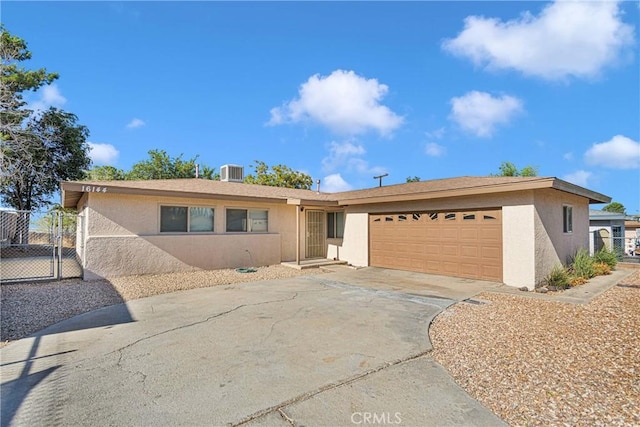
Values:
[(613, 239), (36, 246)]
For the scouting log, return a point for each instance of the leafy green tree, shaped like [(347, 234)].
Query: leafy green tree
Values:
[(413, 179), (509, 169), (38, 149), (615, 207), (160, 165), (278, 176), (105, 173)]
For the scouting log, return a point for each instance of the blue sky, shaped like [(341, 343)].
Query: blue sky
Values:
[(345, 91)]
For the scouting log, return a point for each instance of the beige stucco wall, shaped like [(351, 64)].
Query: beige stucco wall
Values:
[(122, 237), (354, 247), (553, 246), (518, 245)]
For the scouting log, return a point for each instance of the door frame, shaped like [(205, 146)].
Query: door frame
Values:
[(315, 234)]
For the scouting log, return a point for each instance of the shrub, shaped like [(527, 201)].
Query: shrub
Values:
[(558, 277), (601, 269), (577, 281), (606, 256), (583, 264)]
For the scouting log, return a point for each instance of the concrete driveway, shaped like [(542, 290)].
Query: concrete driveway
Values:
[(313, 350)]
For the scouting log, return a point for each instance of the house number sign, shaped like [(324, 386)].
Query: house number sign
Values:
[(93, 189)]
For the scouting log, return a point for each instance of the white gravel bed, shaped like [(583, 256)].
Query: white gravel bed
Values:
[(535, 362), (26, 308)]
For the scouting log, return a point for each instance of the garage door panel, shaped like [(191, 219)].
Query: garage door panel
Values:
[(463, 243), (450, 267), (449, 250), (492, 253), (472, 251)]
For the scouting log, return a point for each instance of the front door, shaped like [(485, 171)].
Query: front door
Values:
[(315, 247)]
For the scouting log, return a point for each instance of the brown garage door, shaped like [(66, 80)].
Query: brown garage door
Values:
[(456, 243)]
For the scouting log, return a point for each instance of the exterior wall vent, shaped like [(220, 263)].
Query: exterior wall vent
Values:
[(232, 173)]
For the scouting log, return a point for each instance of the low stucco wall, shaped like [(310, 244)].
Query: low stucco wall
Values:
[(113, 256)]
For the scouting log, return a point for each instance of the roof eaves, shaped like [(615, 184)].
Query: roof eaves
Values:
[(456, 192), (594, 197)]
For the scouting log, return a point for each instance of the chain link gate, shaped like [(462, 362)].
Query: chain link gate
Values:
[(38, 247)]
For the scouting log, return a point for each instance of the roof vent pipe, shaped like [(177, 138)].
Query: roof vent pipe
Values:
[(318, 186), (197, 170)]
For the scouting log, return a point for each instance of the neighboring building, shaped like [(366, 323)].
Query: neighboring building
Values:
[(503, 229), (632, 236), (606, 230)]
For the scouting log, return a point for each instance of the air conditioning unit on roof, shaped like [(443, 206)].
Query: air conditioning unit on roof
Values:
[(232, 173)]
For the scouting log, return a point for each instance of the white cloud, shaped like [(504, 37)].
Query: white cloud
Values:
[(568, 156), (346, 156), (436, 134), (579, 177), (480, 113), (103, 154), (434, 150), (48, 96), (334, 183), (340, 154), (135, 123), (344, 102), (577, 38), (619, 152)]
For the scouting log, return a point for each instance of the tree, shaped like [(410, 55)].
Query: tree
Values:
[(160, 165), (38, 149), (105, 173), (509, 169), (279, 176), (615, 207), (413, 179)]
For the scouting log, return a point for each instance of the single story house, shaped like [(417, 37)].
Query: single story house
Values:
[(606, 230), (503, 229)]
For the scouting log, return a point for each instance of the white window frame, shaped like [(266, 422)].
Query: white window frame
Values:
[(567, 219), (188, 207), (248, 225)]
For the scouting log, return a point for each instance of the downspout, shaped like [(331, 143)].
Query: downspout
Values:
[(298, 234)]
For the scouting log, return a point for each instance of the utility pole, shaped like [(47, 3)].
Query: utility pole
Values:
[(379, 178)]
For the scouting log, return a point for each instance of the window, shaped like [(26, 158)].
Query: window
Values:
[(450, 217), (200, 219), (335, 225), (567, 219), (468, 217), (182, 219), (247, 220)]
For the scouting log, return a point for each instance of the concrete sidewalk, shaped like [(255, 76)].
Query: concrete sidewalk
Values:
[(311, 350)]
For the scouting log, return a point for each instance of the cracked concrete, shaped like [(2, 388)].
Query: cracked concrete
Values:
[(289, 352)]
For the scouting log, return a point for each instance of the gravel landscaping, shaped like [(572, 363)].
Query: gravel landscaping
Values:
[(26, 308), (535, 362)]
